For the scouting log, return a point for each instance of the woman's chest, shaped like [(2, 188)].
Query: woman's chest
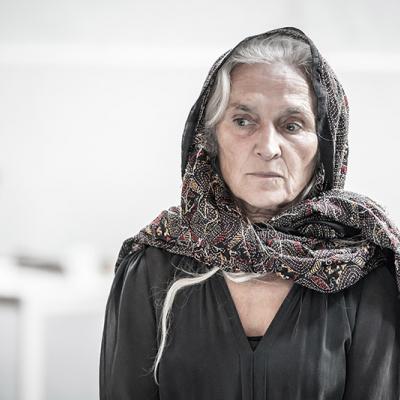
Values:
[(258, 303)]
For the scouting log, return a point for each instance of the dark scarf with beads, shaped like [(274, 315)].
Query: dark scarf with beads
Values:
[(326, 242)]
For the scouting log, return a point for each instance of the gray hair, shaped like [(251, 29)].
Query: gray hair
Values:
[(270, 50)]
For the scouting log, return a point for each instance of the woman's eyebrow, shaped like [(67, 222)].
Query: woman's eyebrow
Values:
[(292, 110), (242, 107), (297, 110), (288, 111)]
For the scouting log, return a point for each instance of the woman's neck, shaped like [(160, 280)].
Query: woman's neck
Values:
[(255, 214)]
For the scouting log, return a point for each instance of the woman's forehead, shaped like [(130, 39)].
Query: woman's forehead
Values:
[(274, 78), (255, 85)]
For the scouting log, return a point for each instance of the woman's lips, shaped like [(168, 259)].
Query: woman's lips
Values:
[(266, 175)]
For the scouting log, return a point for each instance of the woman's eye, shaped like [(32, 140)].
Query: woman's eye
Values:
[(292, 127), (242, 122)]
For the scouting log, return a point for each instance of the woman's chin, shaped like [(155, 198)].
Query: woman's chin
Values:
[(254, 207), (266, 201)]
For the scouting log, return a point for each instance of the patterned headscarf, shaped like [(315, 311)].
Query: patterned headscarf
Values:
[(326, 242)]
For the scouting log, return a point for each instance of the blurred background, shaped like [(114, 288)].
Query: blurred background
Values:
[(93, 100)]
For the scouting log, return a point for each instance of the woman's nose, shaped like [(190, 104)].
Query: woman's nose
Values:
[(267, 145)]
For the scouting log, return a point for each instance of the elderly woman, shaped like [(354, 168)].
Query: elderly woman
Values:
[(270, 281)]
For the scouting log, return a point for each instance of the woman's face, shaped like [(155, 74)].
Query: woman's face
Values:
[(267, 143)]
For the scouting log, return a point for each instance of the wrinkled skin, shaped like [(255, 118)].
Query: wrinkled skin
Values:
[(268, 126)]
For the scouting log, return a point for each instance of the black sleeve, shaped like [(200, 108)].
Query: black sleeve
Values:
[(129, 343), (373, 360)]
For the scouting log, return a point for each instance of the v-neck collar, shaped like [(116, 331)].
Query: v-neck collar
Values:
[(237, 327)]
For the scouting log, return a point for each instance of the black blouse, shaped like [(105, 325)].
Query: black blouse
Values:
[(319, 346), (253, 340)]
